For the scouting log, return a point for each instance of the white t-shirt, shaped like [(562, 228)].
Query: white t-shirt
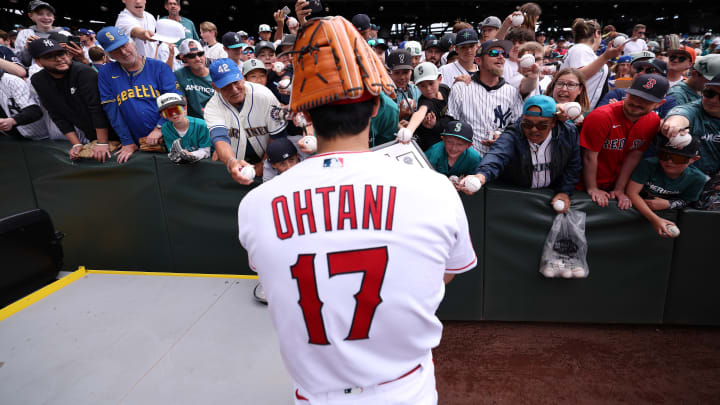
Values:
[(259, 117), (635, 46), (215, 52), (352, 266), (126, 21), (511, 74), (581, 55), (452, 70), (541, 158)]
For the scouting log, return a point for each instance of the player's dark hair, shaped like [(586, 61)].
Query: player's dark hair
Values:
[(520, 35), (330, 121), (4, 35), (96, 53)]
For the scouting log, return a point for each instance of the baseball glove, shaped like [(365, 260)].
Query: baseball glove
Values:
[(86, 151), (146, 147), (333, 62)]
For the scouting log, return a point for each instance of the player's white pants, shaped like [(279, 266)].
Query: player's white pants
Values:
[(418, 388)]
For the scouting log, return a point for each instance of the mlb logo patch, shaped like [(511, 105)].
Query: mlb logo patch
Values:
[(333, 162)]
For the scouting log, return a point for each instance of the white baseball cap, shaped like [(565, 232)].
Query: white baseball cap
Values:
[(426, 71), (252, 64), (167, 30), (708, 65), (168, 100), (414, 48), (264, 28), (189, 46)]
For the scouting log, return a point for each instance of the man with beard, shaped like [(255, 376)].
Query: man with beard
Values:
[(128, 89), (69, 92), (614, 137), (433, 52), (488, 103), (194, 78)]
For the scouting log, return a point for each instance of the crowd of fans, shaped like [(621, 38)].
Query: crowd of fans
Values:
[(492, 102)]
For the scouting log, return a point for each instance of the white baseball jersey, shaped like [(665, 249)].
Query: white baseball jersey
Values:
[(452, 70), (485, 109), (261, 115), (16, 94), (351, 249), (126, 21)]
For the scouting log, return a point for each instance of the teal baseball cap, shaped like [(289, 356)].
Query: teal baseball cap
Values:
[(111, 38), (548, 106), (224, 71)]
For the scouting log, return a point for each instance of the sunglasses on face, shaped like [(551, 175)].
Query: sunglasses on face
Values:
[(568, 85), (645, 70), (707, 93), (541, 126), (171, 111), (248, 51), (494, 53), (194, 55), (677, 159), (679, 58)]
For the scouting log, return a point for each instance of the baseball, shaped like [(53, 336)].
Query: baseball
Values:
[(404, 135), (526, 61), (681, 140), (567, 273), (310, 142), (673, 230), (278, 67), (578, 272), (517, 19), (573, 110), (619, 40), (548, 271), (284, 83), (248, 172), (559, 205), (472, 184), (454, 179)]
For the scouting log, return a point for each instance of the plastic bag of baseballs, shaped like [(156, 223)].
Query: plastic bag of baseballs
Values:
[(565, 251)]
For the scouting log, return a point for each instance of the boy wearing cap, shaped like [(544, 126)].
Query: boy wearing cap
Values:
[(490, 27), (187, 138), (466, 46), (407, 94), (194, 79), (536, 151), (615, 138), (234, 47), (264, 32), (265, 51), (454, 155), (431, 117), (415, 52), (213, 49), (254, 72), (704, 69), (666, 182), (43, 15), (679, 61), (282, 155)]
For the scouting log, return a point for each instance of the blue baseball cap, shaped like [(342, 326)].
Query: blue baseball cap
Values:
[(111, 38), (224, 71), (624, 59), (547, 106)]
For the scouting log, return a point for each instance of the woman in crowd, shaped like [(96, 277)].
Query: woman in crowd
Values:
[(569, 85)]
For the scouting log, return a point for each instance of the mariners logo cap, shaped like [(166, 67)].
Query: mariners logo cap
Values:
[(466, 36), (111, 38), (280, 149), (41, 47), (426, 71), (232, 40), (460, 130), (447, 41), (649, 87), (547, 106), (708, 66), (399, 59), (414, 48), (491, 21), (168, 100), (252, 64), (224, 71)]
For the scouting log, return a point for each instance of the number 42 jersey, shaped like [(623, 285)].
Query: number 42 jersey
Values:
[(351, 249)]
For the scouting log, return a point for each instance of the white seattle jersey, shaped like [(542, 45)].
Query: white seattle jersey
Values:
[(260, 116), (485, 109), (351, 249)]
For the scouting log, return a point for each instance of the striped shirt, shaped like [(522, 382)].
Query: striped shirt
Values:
[(485, 109), (452, 70)]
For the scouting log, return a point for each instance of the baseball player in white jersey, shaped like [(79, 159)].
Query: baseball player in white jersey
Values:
[(353, 268)]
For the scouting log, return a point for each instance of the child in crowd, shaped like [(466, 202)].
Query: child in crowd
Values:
[(187, 138), (254, 71), (282, 154), (97, 57), (430, 119), (454, 156), (666, 182)]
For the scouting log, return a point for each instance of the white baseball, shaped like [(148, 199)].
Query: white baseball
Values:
[(284, 83), (573, 110), (454, 179), (248, 172), (548, 271), (559, 205), (472, 184), (673, 230), (404, 135), (310, 142), (578, 272), (681, 140), (517, 20), (526, 61), (278, 67), (619, 40), (567, 273)]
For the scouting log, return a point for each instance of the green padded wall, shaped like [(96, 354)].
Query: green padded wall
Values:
[(15, 185)]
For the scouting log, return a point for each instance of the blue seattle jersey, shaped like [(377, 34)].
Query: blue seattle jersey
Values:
[(129, 98)]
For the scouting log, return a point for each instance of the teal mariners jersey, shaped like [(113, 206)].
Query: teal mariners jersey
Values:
[(197, 90), (656, 183), (683, 94), (705, 128), (196, 137), (464, 165)]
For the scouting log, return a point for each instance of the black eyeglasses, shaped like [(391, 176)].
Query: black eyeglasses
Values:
[(541, 126), (494, 53), (679, 58), (677, 159), (194, 55), (707, 93), (645, 70), (568, 85)]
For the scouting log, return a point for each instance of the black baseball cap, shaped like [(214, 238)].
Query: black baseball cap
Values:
[(447, 41), (690, 150), (264, 44), (37, 4), (40, 47), (361, 22), (494, 43), (651, 87), (232, 40), (280, 149), (287, 40), (460, 130), (432, 43), (399, 59), (655, 63), (714, 82), (466, 36)]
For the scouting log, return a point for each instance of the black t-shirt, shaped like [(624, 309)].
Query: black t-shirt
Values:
[(427, 137)]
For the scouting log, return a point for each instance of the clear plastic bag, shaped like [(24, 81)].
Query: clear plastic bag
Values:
[(565, 251)]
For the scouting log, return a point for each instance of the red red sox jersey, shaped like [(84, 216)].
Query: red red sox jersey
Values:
[(608, 131), (351, 249)]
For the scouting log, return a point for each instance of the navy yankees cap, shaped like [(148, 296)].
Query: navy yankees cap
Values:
[(466, 36), (40, 47), (280, 149), (649, 87), (460, 130)]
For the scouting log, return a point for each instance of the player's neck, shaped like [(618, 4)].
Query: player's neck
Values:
[(469, 65), (182, 125), (357, 142)]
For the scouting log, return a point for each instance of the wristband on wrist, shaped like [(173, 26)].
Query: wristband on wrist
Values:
[(101, 144), (76, 145)]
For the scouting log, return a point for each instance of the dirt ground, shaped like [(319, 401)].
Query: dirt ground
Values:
[(531, 363)]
